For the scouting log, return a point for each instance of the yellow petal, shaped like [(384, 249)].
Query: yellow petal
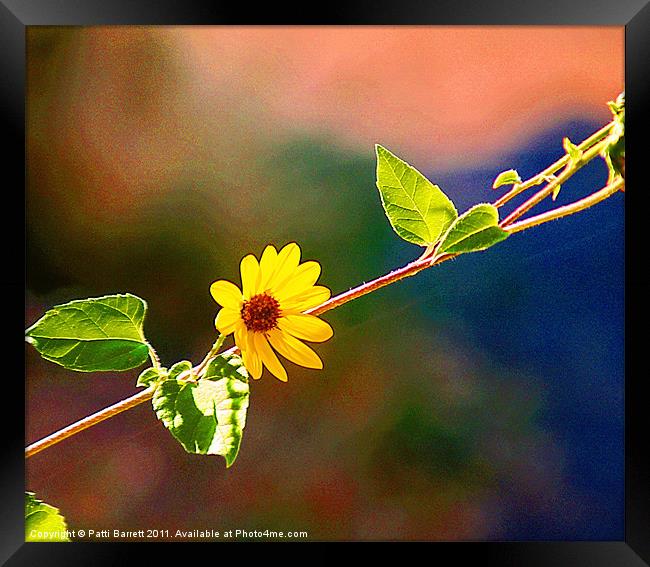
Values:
[(226, 294), (250, 356), (299, 281), (241, 337), (268, 357), (227, 320), (252, 363), (305, 300), (268, 263), (249, 269), (292, 349), (286, 263), (306, 327)]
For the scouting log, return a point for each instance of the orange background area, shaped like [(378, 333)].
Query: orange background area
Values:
[(136, 106), (440, 93)]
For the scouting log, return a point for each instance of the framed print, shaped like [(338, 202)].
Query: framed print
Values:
[(362, 279)]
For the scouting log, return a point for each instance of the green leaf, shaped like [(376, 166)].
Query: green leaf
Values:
[(575, 153), (417, 209), (614, 152), (43, 522), (150, 375), (476, 229), (97, 334), (509, 177), (618, 107), (207, 417), (226, 367), (177, 369)]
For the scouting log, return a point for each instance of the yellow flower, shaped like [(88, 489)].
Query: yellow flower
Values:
[(269, 310)]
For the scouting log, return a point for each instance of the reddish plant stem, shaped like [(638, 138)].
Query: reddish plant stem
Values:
[(87, 422), (570, 209), (551, 169), (538, 197), (392, 277)]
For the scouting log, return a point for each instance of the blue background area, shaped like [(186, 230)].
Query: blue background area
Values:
[(550, 302)]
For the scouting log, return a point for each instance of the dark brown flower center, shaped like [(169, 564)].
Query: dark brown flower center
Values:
[(260, 313)]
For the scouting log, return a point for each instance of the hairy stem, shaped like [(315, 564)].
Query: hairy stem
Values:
[(89, 421), (551, 169), (392, 277), (571, 168), (153, 356), (566, 210)]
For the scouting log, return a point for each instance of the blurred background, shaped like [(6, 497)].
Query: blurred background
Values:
[(479, 400)]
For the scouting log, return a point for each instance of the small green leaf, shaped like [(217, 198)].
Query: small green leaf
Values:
[(226, 367), (207, 417), (509, 177), (97, 334), (614, 152), (618, 107), (43, 522), (150, 375), (575, 153), (177, 369), (476, 229), (417, 209)]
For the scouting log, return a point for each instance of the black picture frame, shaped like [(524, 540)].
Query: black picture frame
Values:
[(16, 15)]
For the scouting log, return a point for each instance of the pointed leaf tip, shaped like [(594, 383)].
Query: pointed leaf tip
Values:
[(508, 177)]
